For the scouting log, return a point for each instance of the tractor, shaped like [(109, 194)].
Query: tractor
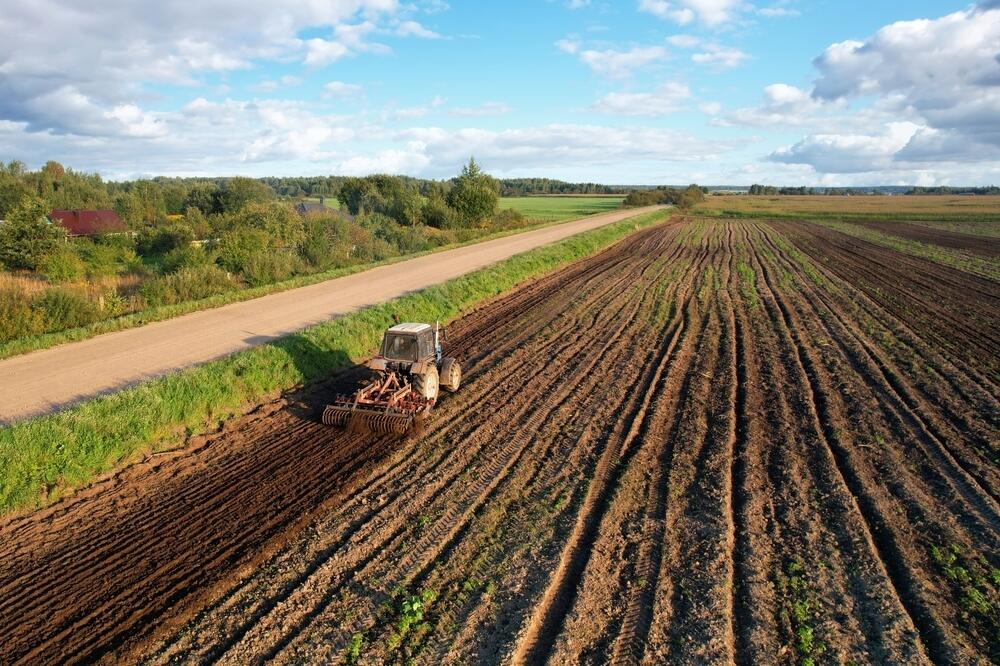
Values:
[(407, 375)]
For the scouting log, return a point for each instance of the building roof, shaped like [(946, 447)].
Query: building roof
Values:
[(88, 222), (308, 207), (410, 328)]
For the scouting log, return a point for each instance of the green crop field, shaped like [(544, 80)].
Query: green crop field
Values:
[(554, 209)]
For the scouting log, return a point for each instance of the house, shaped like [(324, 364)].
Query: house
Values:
[(88, 222), (306, 207)]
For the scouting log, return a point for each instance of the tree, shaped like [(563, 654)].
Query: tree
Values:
[(359, 195), (475, 194), (240, 192), (278, 221), (27, 237), (202, 196)]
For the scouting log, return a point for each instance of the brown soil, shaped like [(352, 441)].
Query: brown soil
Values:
[(718, 441), (983, 245)]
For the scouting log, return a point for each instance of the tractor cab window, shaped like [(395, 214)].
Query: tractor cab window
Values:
[(426, 345), (400, 347)]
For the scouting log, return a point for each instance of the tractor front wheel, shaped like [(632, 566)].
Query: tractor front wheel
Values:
[(451, 375)]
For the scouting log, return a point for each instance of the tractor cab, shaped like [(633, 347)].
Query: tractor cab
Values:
[(408, 343)]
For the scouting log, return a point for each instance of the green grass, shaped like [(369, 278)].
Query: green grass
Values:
[(150, 315), (554, 209), (43, 457), (984, 266)]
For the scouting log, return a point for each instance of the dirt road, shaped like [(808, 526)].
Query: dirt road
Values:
[(716, 442), (47, 380)]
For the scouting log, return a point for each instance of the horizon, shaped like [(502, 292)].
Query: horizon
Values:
[(782, 93)]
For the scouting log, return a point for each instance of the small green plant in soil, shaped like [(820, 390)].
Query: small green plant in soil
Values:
[(800, 611), (975, 584)]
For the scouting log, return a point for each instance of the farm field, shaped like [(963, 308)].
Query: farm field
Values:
[(720, 440), (557, 208), (969, 214)]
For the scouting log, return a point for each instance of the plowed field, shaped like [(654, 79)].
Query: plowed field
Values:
[(718, 441)]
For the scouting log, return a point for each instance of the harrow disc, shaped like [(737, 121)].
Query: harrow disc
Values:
[(383, 424), (335, 415)]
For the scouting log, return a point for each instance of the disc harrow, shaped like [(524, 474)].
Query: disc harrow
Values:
[(388, 405)]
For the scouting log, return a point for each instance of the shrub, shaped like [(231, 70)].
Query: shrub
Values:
[(63, 309), (438, 214), (277, 220), (17, 318), (508, 218), (238, 247), (160, 240), (101, 260), (27, 237), (319, 245), (63, 265), (188, 256), (267, 267), (187, 284)]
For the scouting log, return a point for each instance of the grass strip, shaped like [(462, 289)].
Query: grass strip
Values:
[(982, 266), (41, 458), (984, 224), (150, 315)]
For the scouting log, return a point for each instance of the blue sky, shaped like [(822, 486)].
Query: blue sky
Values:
[(644, 91)]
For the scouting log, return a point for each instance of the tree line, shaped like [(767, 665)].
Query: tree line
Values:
[(230, 234)]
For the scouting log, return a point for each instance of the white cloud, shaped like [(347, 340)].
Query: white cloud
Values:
[(668, 98), (335, 89), (848, 153), (710, 12), (414, 29), (554, 146), (683, 41), (942, 75), (783, 105), (613, 63), (722, 57), (116, 47)]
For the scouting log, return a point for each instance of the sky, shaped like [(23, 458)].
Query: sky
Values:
[(782, 92)]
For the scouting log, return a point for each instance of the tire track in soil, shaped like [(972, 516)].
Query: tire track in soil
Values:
[(856, 595), (935, 641), (558, 598)]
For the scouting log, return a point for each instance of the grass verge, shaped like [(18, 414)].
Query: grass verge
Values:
[(41, 458), (148, 316)]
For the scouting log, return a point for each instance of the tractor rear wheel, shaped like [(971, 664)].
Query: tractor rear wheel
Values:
[(451, 375), (427, 383)]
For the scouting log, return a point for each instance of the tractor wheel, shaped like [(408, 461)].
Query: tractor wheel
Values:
[(427, 383), (451, 375)]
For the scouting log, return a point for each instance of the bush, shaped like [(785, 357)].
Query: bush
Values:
[(279, 221), (27, 237), (189, 256), (160, 240), (267, 267), (17, 318), (508, 218), (103, 260), (63, 309), (238, 247), (63, 265), (187, 284), (439, 215)]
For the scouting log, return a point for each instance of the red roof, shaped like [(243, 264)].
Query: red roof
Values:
[(88, 222)]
